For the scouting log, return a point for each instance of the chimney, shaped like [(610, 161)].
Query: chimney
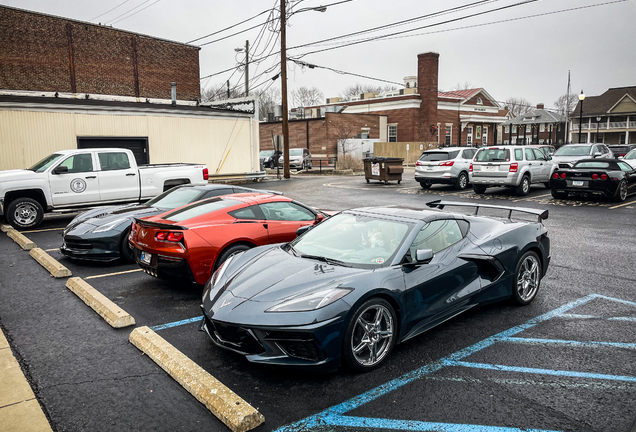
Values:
[(174, 93), (427, 79), (540, 106)]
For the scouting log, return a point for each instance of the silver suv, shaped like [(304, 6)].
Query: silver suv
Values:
[(566, 155), (445, 165), (299, 158), (512, 166)]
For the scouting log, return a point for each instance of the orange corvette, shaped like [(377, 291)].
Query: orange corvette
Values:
[(192, 241)]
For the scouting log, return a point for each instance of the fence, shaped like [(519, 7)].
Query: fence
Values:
[(398, 149)]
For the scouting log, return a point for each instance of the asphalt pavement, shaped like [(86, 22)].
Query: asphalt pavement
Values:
[(497, 367)]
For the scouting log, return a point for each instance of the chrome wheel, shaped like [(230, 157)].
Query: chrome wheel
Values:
[(528, 278), (462, 181), (372, 337), (525, 185), (622, 191), (25, 214)]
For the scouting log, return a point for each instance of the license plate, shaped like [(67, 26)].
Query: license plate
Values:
[(430, 168), (146, 257), (577, 183), (490, 168)]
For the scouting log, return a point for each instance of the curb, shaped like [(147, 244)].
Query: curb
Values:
[(48, 262), (226, 405), (20, 239), (112, 314)]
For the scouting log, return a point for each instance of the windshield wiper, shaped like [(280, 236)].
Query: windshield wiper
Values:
[(329, 261), (292, 250)]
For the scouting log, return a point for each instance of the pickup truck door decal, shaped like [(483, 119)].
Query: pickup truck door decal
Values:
[(77, 186)]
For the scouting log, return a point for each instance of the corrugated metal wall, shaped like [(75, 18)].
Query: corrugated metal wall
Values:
[(28, 136)]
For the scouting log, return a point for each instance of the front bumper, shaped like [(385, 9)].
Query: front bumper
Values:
[(92, 248), (314, 346), (165, 266)]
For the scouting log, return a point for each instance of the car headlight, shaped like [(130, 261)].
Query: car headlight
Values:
[(109, 226), (312, 301)]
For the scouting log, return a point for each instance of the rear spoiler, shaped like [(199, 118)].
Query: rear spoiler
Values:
[(440, 204), (159, 225)]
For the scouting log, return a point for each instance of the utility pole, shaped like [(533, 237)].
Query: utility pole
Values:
[(228, 89), (283, 72), (247, 68)]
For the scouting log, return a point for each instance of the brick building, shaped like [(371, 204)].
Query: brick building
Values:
[(321, 135), (42, 53), (421, 113), (537, 126)]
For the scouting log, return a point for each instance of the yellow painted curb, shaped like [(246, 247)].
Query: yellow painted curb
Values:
[(113, 314), (5, 227), (55, 268), (21, 239), (237, 414)]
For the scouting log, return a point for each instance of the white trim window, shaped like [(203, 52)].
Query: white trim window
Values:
[(542, 127), (480, 101), (514, 128), (469, 135), (392, 133), (449, 135), (484, 135), (507, 128)]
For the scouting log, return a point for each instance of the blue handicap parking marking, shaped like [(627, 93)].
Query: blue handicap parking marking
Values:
[(336, 416), (176, 323)]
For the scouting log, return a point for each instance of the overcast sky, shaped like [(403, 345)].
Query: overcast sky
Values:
[(527, 58)]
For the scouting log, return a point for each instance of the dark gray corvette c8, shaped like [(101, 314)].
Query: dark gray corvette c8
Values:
[(101, 234), (351, 288)]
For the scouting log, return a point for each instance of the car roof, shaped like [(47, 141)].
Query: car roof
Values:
[(446, 149), (255, 197), (403, 213)]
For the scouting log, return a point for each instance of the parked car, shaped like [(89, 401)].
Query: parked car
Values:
[(86, 178), (511, 166), (630, 158), (101, 234), (268, 158), (192, 241), (448, 165), (367, 279), (595, 177), (567, 155), (621, 149), (547, 149), (299, 158)]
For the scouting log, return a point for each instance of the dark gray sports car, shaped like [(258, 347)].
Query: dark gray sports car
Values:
[(101, 234), (365, 279)]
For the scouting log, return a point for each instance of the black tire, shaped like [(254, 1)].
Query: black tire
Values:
[(524, 186), (23, 213), (425, 185), (462, 181), (368, 181), (527, 280), (126, 252), (479, 189), (231, 250), (547, 185), (621, 192), (399, 181), (382, 330)]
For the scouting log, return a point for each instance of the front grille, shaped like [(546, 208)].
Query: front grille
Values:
[(564, 165), (297, 345), (78, 245), (236, 338)]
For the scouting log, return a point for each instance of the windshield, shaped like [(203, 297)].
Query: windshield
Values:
[(493, 155), (356, 240), (266, 153), (592, 164), (174, 198), (438, 156), (573, 151), (295, 152), (630, 155), (200, 208), (45, 163)]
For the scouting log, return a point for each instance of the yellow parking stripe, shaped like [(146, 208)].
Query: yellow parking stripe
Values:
[(52, 250), (42, 230), (624, 204), (113, 274)]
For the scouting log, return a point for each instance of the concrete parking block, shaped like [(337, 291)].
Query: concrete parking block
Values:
[(113, 314), (48, 262), (226, 405), (5, 227), (21, 239)]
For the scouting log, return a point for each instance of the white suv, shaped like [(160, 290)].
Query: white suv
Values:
[(513, 166), (447, 165)]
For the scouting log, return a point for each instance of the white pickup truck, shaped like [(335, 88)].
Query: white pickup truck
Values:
[(71, 179)]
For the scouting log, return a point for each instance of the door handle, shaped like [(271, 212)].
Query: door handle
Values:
[(91, 177), (265, 226), (130, 174)]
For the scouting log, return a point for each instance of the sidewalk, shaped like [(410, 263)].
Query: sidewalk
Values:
[(19, 409)]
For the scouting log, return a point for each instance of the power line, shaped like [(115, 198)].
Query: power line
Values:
[(125, 18), (110, 10), (230, 27), (130, 10)]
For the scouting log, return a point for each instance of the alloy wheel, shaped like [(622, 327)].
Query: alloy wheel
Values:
[(25, 214), (623, 191), (372, 335), (528, 278)]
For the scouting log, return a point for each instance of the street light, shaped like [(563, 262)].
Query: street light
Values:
[(598, 120), (247, 68), (581, 98)]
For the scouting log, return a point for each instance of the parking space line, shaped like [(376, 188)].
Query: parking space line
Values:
[(576, 316), (176, 323), (51, 250), (624, 204), (335, 415), (42, 230), (113, 274), (533, 341)]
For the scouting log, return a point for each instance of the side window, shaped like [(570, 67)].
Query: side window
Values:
[(467, 154), (539, 154), (624, 166), (79, 163), (595, 150), (437, 235), (286, 211), (519, 154), (530, 154), (113, 161), (249, 213), (216, 192)]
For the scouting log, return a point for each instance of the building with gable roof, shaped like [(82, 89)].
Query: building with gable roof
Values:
[(538, 126)]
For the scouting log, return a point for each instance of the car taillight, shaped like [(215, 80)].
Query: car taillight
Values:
[(514, 167), (161, 235), (562, 175), (133, 228), (175, 236), (594, 176), (470, 168), (205, 174), (418, 163), (555, 175), (447, 163), (604, 177)]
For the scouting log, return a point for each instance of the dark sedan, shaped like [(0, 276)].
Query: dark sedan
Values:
[(595, 177), (352, 287), (101, 234)]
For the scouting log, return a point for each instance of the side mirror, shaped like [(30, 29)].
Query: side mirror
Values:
[(597, 154), (424, 256), (621, 158), (303, 229), (60, 169), (319, 218)]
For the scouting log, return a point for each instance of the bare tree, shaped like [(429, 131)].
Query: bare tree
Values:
[(342, 131), (518, 105), (267, 101), (426, 132), (465, 86), (219, 92), (358, 89), (306, 96), (566, 106)]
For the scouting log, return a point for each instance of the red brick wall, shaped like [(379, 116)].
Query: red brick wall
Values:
[(427, 82), (34, 55)]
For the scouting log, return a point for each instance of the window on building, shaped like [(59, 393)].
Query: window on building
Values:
[(478, 133), (507, 129), (449, 134), (542, 127), (485, 135), (479, 101), (622, 138), (514, 129), (469, 135), (393, 133)]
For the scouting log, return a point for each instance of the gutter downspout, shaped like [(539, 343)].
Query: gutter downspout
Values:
[(252, 143)]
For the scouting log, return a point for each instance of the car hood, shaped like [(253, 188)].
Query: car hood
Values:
[(276, 275), (558, 159), (101, 216), (15, 174)]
